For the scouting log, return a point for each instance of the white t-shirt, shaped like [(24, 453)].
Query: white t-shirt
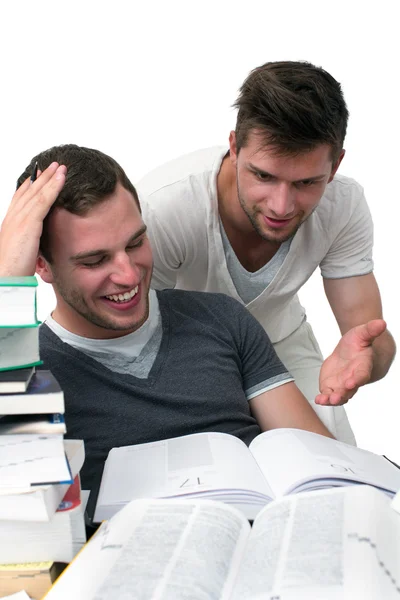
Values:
[(180, 208)]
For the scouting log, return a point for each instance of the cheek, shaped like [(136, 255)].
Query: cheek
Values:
[(89, 282)]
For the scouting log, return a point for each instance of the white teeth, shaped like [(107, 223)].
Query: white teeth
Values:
[(124, 297)]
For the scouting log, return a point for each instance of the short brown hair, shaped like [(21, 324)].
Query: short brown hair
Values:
[(92, 176), (294, 106)]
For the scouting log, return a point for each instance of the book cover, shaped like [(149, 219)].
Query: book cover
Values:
[(40, 503), (42, 423), (44, 395), (16, 380), (32, 459)]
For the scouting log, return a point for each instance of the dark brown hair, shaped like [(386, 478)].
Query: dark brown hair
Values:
[(293, 106), (92, 177)]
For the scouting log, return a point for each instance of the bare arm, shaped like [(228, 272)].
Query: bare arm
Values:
[(23, 224), (366, 350), (285, 406), (355, 301)]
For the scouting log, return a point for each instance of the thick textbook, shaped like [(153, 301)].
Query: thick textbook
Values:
[(58, 540), (322, 545), (17, 301), (15, 381), (221, 467), (34, 578), (19, 347), (43, 395), (41, 502), (46, 424)]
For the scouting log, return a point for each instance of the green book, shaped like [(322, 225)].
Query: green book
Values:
[(18, 301)]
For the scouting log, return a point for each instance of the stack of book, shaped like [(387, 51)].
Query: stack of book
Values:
[(41, 514)]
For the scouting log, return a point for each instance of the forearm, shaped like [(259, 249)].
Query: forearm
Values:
[(286, 407), (384, 348)]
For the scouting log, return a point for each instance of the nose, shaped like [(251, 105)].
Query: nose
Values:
[(282, 200), (124, 271)]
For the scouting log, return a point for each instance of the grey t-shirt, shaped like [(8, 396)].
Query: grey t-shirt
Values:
[(250, 285), (213, 354)]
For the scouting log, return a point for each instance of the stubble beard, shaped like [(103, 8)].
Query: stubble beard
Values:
[(269, 236), (75, 300)]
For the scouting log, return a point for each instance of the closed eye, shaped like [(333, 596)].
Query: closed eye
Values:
[(96, 263), (263, 176), (307, 182), (137, 244)]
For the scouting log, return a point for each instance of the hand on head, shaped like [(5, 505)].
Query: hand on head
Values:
[(23, 224)]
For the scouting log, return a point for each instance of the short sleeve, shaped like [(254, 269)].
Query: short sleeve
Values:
[(167, 245), (350, 253), (261, 367)]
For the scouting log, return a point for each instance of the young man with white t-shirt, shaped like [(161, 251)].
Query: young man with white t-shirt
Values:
[(256, 220)]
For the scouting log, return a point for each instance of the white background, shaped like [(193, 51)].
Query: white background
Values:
[(147, 81)]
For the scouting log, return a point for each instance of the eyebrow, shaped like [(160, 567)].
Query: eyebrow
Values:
[(265, 173), (82, 255)]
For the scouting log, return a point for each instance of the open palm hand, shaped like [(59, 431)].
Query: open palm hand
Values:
[(350, 364)]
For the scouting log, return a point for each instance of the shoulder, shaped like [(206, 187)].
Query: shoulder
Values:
[(205, 305), (342, 192), (197, 167), (343, 198)]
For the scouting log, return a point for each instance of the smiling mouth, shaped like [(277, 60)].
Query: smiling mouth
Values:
[(125, 297)]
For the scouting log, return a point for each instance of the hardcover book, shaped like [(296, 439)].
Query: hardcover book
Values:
[(43, 395), (18, 301)]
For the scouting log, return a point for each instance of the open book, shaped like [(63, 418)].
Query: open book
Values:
[(221, 467), (325, 545)]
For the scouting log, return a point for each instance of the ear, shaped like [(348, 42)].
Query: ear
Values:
[(43, 269), (336, 165), (232, 148)]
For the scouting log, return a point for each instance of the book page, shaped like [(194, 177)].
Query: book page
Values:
[(27, 460), (191, 465), (342, 543), (159, 550), (290, 458)]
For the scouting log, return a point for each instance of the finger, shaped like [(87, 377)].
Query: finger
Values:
[(322, 399), (39, 205), (376, 327), (334, 399), (26, 191), (22, 188), (368, 332), (41, 181)]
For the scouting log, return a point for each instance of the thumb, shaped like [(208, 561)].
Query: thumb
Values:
[(368, 332)]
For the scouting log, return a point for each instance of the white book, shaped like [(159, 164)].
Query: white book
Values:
[(17, 301), (41, 502), (43, 395), (56, 540), (19, 347), (324, 545), (221, 467), (32, 459)]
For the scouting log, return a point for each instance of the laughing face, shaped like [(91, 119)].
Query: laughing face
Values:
[(101, 268), (278, 193)]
